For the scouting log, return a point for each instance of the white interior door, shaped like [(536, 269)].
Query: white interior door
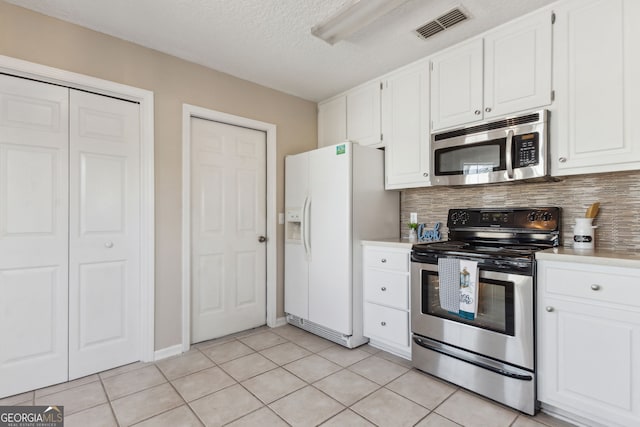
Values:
[(33, 234), (104, 251), (228, 216)]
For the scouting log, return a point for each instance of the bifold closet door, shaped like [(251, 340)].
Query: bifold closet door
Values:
[(33, 234), (104, 233)]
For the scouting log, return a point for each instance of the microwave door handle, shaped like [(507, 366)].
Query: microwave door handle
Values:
[(509, 153)]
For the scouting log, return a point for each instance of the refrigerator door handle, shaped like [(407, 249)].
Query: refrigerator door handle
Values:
[(305, 227)]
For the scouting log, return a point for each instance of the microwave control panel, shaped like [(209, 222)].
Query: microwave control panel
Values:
[(526, 147)]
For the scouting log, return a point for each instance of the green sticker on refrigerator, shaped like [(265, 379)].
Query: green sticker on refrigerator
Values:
[(341, 149)]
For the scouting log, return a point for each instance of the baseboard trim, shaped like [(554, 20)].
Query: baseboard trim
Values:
[(280, 321), (163, 353)]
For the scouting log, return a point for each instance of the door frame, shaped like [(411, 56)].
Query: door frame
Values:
[(192, 111), (144, 98)]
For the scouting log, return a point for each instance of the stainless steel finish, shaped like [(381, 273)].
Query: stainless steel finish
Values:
[(488, 109), (549, 308), (562, 159), (531, 172), (477, 112), (517, 349), (504, 383), (509, 154), (595, 287), (262, 239)]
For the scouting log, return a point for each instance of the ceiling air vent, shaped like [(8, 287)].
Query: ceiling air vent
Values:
[(445, 21)]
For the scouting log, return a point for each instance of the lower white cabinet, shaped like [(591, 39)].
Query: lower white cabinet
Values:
[(386, 284), (589, 341)]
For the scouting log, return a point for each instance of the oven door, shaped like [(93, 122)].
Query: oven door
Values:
[(503, 328)]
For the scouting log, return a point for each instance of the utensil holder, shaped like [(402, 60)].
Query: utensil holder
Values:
[(584, 234)]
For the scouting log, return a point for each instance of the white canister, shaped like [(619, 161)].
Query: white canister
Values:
[(584, 234)]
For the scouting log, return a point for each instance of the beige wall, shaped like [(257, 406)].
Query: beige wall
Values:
[(37, 38)]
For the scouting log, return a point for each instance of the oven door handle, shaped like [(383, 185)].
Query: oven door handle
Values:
[(422, 342), (509, 154)]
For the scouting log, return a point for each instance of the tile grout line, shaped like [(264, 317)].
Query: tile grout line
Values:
[(113, 412)]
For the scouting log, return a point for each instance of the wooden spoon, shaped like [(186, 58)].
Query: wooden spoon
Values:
[(592, 211)]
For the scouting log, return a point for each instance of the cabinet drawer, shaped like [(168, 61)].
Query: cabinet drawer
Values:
[(387, 288), (386, 324), (611, 284), (388, 260)]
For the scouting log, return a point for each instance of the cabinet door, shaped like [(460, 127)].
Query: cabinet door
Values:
[(518, 66), (596, 70), (363, 114), (405, 112), (456, 86), (332, 122), (588, 360)]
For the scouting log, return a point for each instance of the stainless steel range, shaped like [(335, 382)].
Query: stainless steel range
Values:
[(489, 350)]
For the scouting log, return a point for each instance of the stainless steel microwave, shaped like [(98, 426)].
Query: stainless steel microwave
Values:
[(508, 149)]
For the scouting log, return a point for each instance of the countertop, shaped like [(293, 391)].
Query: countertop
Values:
[(390, 243), (594, 257)]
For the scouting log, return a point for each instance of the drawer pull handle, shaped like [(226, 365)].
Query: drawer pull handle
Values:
[(383, 323), (595, 287), (549, 308), (383, 260), (384, 288)]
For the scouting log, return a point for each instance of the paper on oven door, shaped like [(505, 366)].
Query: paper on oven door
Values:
[(449, 288), (468, 289)]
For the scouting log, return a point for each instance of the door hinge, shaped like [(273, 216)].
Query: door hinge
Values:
[(381, 137), (553, 18), (431, 65), (381, 85), (553, 95)]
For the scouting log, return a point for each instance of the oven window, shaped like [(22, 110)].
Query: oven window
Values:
[(471, 159), (495, 303)]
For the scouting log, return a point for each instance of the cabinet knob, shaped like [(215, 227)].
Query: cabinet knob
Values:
[(549, 308), (562, 159), (488, 109), (426, 174), (383, 260), (108, 244), (383, 323), (383, 289), (595, 287), (477, 112)]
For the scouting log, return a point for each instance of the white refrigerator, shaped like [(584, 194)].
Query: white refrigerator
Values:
[(334, 198)]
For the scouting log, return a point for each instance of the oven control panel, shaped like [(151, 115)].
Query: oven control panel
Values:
[(540, 219)]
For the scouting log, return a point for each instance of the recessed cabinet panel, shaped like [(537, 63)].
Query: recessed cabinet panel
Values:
[(332, 121), (363, 114)]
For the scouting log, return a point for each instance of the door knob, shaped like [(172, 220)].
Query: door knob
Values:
[(488, 109), (549, 308), (383, 289), (262, 239), (383, 323), (595, 287), (477, 112), (108, 244), (562, 159)]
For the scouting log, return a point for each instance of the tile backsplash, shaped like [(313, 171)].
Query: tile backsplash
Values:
[(618, 193)]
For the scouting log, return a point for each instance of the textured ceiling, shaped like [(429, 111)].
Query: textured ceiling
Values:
[(269, 42)]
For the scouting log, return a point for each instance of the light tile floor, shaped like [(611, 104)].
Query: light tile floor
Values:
[(274, 377)]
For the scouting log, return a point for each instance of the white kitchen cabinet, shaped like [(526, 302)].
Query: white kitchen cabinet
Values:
[(506, 71), (456, 85), (363, 114), (332, 121), (405, 126), (589, 341), (386, 281), (597, 88)]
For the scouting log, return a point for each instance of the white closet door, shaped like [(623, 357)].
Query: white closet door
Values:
[(228, 215), (33, 234), (104, 251)]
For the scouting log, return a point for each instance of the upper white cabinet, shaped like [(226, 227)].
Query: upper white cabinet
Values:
[(332, 121), (405, 126), (363, 114), (456, 85), (506, 71), (597, 86)]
